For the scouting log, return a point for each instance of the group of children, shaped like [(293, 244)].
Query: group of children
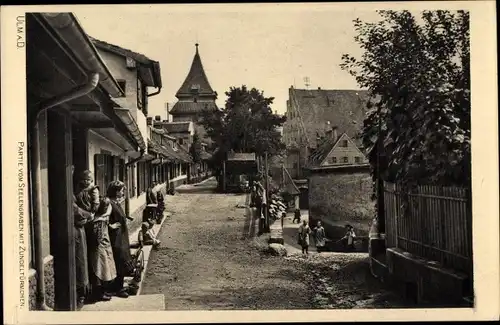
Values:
[(319, 236)]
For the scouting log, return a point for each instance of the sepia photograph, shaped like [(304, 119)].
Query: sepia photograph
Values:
[(248, 157)]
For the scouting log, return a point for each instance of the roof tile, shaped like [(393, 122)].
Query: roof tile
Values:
[(342, 108), (190, 107), (196, 78)]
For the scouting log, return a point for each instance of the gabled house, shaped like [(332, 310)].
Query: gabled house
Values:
[(135, 73), (334, 150), (183, 131)]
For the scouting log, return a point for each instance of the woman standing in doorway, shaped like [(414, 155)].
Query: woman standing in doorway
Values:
[(101, 261), (85, 204), (119, 237)]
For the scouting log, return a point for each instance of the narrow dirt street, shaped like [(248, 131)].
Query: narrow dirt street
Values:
[(211, 259)]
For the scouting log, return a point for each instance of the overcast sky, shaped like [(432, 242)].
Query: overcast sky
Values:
[(267, 47)]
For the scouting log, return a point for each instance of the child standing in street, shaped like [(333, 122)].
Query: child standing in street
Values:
[(319, 237), (348, 239), (304, 232), (296, 216)]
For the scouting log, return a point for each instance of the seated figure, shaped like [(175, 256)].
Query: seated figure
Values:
[(147, 236)]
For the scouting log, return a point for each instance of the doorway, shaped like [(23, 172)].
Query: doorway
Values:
[(304, 198)]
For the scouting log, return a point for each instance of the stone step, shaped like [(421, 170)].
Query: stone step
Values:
[(154, 302)]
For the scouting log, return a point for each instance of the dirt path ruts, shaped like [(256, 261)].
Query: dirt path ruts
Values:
[(207, 262)]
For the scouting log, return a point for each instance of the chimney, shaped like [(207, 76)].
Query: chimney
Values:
[(334, 134), (166, 111), (157, 118), (319, 88), (149, 121)]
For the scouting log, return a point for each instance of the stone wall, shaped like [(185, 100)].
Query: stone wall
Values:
[(339, 199), (49, 284), (178, 181)]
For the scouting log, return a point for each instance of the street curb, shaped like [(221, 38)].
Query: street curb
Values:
[(147, 249), (276, 226)]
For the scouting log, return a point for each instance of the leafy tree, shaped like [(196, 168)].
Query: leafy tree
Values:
[(245, 124), (195, 149), (418, 72)]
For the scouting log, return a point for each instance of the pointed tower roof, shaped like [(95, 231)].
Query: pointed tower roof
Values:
[(196, 81)]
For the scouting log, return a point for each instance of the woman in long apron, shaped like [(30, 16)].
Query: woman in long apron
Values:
[(119, 236)]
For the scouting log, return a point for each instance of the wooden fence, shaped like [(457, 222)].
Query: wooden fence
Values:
[(431, 222)]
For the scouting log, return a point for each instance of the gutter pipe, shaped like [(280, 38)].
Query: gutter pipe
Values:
[(78, 91), (67, 27), (133, 161)]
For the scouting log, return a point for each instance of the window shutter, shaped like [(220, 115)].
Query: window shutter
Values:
[(121, 169), (148, 175), (116, 168), (109, 177), (139, 178)]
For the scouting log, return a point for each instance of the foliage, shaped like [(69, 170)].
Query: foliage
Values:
[(195, 149), (418, 72), (245, 124)]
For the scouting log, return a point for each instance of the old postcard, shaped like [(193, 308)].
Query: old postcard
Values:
[(250, 162)]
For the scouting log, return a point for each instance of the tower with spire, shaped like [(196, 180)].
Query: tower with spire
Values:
[(194, 95)]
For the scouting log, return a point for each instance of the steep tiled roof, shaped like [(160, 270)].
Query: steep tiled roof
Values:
[(342, 108), (241, 157), (205, 155), (321, 151), (190, 107), (163, 132), (184, 154), (154, 146), (176, 127), (289, 185), (138, 57), (196, 77)]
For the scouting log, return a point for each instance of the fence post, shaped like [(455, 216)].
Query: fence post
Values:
[(396, 215), (442, 221)]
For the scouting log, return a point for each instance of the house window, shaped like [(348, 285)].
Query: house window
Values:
[(333, 160), (345, 160), (107, 168), (142, 98), (181, 141), (123, 85), (343, 143), (357, 160), (143, 176), (131, 181), (139, 94)]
